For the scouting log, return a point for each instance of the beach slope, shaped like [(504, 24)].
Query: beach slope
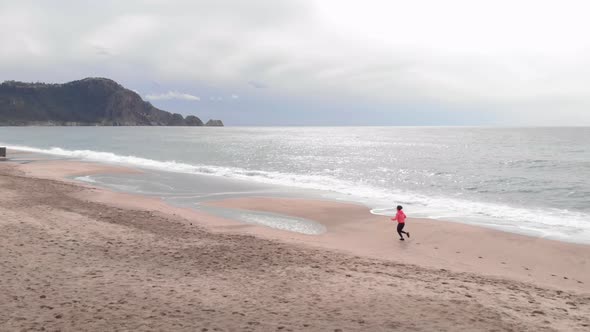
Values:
[(70, 261)]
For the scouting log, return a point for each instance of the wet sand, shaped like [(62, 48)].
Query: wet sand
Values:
[(436, 244), (74, 257)]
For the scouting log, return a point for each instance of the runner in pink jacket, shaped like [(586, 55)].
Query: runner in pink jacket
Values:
[(400, 217)]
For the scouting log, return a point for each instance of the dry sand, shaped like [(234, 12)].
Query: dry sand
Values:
[(77, 258)]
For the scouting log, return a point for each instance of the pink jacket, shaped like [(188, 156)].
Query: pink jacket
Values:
[(400, 217)]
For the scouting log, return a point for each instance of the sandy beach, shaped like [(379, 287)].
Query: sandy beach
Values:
[(78, 258)]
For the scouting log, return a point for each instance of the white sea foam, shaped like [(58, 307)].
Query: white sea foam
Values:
[(283, 223), (86, 178), (555, 223)]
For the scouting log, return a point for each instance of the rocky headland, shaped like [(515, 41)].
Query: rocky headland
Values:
[(86, 102)]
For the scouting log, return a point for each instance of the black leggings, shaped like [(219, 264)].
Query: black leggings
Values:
[(400, 226)]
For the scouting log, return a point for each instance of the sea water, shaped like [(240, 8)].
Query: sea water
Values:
[(526, 180)]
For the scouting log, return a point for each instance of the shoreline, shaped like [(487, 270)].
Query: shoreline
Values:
[(102, 260), (533, 219), (134, 169), (438, 244)]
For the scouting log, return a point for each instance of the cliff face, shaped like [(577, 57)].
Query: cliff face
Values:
[(91, 101)]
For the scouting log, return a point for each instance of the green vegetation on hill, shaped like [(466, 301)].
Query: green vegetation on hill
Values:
[(91, 101)]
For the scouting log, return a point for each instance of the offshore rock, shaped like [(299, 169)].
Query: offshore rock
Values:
[(214, 123)]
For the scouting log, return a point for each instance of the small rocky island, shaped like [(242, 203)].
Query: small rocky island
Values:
[(87, 102)]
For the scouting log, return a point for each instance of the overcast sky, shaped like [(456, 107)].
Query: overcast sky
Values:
[(324, 62)]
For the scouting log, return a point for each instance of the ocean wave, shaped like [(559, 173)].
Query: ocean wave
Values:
[(560, 224)]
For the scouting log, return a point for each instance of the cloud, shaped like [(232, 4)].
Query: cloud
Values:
[(172, 95), (257, 85), (234, 96), (455, 54), (102, 51), (123, 34)]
